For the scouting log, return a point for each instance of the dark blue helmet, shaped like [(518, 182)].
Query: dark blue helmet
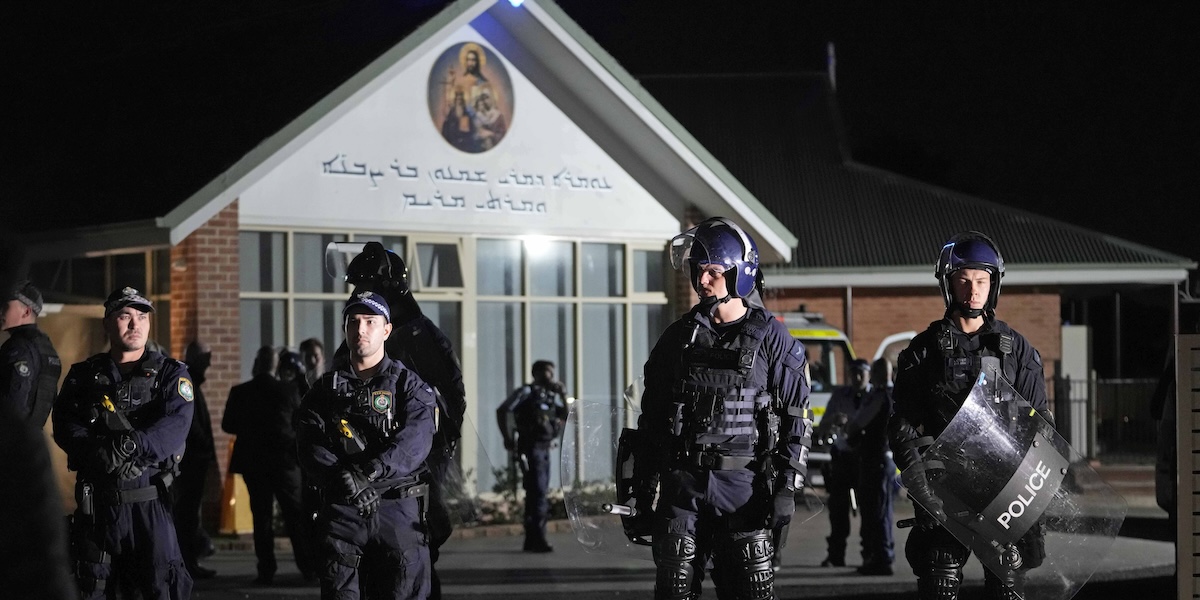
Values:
[(970, 250), (718, 241)]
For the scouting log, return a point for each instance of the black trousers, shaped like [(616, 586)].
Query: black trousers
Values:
[(265, 488)]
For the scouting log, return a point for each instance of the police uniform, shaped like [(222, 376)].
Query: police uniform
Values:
[(538, 413), (724, 424), (842, 473), (125, 524), (935, 374), (29, 373), (876, 482), (418, 343), (381, 428)]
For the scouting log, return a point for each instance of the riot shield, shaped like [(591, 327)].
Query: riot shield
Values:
[(597, 473), (589, 471), (1016, 493)]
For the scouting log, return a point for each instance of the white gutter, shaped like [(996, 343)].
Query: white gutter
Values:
[(1014, 275)]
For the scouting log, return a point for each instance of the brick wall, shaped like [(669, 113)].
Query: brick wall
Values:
[(204, 307), (879, 312)]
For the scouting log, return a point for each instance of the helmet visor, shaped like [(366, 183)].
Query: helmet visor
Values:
[(681, 248)]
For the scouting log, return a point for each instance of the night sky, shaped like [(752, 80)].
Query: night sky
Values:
[(1085, 114), (1082, 113)]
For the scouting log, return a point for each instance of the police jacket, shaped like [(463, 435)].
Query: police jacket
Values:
[(535, 411), (346, 422), (259, 412), (844, 404), (155, 398), (725, 396), (866, 432), (420, 345), (29, 373), (201, 447), (939, 368)]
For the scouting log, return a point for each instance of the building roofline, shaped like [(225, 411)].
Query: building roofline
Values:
[(1015, 274)]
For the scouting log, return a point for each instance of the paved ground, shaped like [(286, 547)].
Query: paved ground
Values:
[(1141, 564)]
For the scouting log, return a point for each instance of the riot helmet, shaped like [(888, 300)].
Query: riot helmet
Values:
[(718, 241), (378, 269), (970, 250)]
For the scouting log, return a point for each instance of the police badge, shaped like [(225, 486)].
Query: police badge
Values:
[(185, 389), (381, 401)]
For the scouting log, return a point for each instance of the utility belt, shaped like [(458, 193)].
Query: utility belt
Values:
[(409, 487), (713, 461), (89, 495)]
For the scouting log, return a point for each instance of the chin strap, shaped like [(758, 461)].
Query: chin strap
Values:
[(709, 304), (969, 313)]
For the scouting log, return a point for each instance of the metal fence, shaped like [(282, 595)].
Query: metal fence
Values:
[(1107, 417)]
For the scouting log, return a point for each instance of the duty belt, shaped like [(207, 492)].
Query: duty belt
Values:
[(391, 490), (416, 490), (718, 462), (111, 496)]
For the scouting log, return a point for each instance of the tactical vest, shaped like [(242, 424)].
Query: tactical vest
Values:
[(961, 367), (723, 416), (46, 387), (125, 399), (537, 415), (369, 412)]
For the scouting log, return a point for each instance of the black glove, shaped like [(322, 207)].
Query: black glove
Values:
[(641, 524), (115, 453), (929, 511), (366, 501), (129, 470), (358, 491), (785, 507)]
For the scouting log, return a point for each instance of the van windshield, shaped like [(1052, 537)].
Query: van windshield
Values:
[(827, 360)]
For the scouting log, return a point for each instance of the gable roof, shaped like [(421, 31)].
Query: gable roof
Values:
[(173, 194), (779, 134)]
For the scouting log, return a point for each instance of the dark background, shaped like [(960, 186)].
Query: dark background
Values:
[(1082, 113)]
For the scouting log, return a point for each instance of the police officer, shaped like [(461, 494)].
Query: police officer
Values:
[(29, 366), (531, 420), (363, 433), (866, 435), (724, 434), (122, 418), (935, 374), (841, 476), (423, 347)]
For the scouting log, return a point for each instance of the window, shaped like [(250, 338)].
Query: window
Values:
[(438, 266), (566, 301)]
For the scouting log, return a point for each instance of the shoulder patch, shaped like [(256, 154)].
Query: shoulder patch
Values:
[(185, 389), (22, 368), (381, 400)]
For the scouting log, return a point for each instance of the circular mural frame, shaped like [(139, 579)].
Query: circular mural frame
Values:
[(470, 97)]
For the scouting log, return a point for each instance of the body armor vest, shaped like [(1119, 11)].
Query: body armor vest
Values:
[(961, 367), (46, 387), (117, 406), (722, 408), (537, 415), (369, 412)]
